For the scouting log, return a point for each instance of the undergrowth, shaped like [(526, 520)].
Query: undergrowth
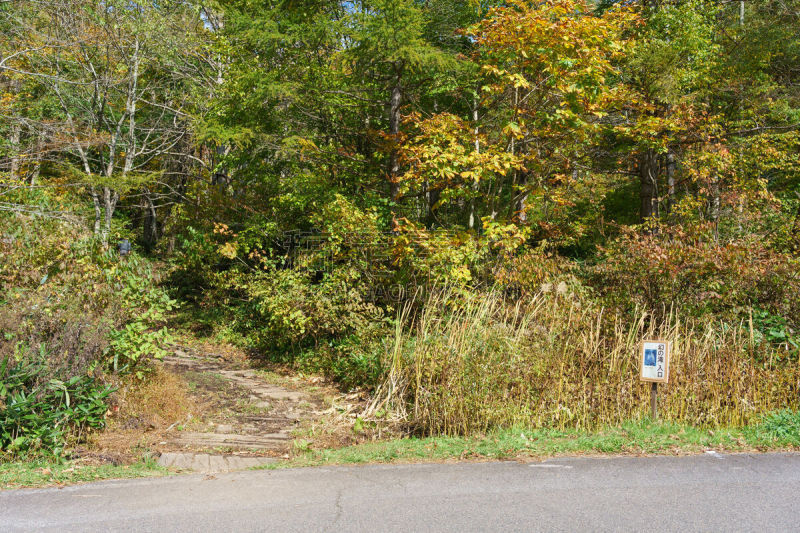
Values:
[(72, 314), (37, 419)]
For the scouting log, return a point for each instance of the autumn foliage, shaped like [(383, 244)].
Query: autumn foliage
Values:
[(349, 187)]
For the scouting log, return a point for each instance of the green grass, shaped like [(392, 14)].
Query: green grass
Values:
[(779, 431), (43, 473)]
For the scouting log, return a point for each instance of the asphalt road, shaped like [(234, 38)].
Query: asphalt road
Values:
[(705, 493)]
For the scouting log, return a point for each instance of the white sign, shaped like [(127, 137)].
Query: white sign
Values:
[(654, 361)]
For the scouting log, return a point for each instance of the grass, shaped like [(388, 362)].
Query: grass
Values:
[(43, 473), (779, 431), (249, 407), (204, 379), (463, 366), (160, 400)]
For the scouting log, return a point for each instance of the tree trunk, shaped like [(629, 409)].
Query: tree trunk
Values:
[(150, 221), (394, 130), (796, 227), (16, 138), (110, 198), (37, 165), (522, 204), (670, 181), (477, 151), (433, 196), (518, 202), (648, 191), (715, 205), (98, 212), (130, 106)]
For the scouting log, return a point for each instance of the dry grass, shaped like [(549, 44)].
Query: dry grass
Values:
[(558, 362), (143, 411), (156, 402)]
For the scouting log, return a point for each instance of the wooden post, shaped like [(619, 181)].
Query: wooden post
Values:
[(654, 401)]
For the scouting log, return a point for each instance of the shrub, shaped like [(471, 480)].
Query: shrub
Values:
[(285, 309), (100, 314), (724, 279), (305, 303), (40, 418), (70, 310), (355, 361), (783, 425), (528, 272)]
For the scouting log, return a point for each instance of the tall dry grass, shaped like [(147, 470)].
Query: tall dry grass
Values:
[(559, 362)]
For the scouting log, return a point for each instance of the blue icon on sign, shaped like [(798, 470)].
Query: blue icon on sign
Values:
[(650, 358)]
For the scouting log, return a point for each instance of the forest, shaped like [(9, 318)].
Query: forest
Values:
[(471, 211)]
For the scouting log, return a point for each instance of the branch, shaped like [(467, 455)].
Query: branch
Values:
[(66, 216), (763, 129)]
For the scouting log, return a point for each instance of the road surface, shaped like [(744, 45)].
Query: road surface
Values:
[(705, 493)]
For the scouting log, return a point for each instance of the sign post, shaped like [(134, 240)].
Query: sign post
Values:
[(654, 369), (654, 400)]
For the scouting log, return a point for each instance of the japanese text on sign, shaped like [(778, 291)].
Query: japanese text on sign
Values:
[(655, 361)]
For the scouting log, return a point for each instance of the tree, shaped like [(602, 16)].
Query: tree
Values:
[(701, 83), (391, 53), (549, 71), (114, 70)]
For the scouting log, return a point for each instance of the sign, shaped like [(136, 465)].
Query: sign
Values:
[(654, 361)]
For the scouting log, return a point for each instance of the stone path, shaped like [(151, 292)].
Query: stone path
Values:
[(254, 418)]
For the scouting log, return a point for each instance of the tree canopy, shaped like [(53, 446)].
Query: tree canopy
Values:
[(455, 133)]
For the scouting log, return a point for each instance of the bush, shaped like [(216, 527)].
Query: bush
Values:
[(530, 271), (286, 308), (783, 425), (355, 361), (41, 418), (726, 280), (112, 325), (70, 310), (304, 305)]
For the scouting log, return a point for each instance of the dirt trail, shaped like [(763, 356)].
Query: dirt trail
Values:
[(249, 420)]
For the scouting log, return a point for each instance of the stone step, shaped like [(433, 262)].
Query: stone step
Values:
[(203, 462), (279, 411), (287, 420), (230, 440), (196, 367), (248, 379)]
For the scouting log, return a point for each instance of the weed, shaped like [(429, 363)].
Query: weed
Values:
[(782, 427), (157, 402), (39, 419)]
